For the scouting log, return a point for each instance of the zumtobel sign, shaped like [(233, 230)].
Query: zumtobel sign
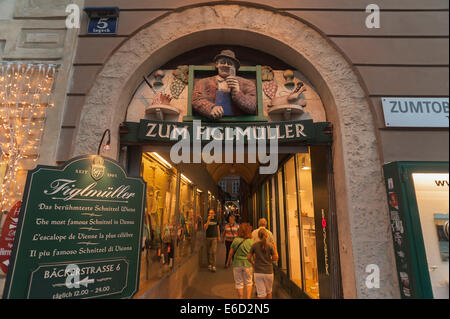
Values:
[(79, 232), (415, 112)]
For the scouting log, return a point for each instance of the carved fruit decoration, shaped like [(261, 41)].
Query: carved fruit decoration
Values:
[(180, 80), (270, 87), (162, 98)]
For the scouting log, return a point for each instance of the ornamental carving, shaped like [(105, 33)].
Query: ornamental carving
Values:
[(225, 91)]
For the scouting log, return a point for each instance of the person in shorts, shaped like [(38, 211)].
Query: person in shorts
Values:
[(261, 256), (242, 268)]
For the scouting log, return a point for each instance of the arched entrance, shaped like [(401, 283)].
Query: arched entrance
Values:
[(362, 213)]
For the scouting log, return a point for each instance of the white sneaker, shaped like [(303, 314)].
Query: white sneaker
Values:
[(213, 269), (209, 267)]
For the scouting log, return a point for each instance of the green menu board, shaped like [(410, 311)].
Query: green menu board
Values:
[(79, 233)]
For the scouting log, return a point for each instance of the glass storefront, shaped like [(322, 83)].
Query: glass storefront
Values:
[(185, 234), (308, 230), (200, 210), (161, 179), (432, 192), (175, 210), (272, 203), (292, 223), (288, 203), (418, 199), (282, 264)]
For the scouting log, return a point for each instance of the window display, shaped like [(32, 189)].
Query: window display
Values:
[(282, 263), (293, 227), (161, 181), (432, 191), (287, 202), (186, 219), (200, 210), (308, 231), (266, 205), (273, 229)]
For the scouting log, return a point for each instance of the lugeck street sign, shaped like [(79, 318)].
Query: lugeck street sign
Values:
[(79, 232)]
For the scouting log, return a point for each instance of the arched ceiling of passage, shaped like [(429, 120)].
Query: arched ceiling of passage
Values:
[(245, 170)]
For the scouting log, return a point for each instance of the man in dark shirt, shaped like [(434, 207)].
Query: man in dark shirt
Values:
[(212, 235)]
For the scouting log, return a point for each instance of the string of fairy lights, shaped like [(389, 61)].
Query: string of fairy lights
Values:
[(25, 94)]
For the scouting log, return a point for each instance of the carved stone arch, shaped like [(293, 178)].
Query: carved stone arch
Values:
[(363, 220)]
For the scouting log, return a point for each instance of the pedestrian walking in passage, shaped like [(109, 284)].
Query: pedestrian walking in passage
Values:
[(212, 236), (262, 224), (237, 257), (261, 255), (229, 234)]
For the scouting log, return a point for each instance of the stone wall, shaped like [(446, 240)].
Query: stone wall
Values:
[(34, 31)]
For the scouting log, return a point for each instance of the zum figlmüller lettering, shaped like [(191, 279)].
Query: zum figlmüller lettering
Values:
[(69, 190)]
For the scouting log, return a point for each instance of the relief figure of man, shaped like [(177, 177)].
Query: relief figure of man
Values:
[(224, 94)]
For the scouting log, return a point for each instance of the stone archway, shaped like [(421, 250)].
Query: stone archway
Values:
[(363, 222)]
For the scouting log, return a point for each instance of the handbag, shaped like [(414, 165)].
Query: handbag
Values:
[(237, 248)]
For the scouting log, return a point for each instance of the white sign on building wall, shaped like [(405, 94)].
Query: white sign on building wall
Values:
[(415, 112)]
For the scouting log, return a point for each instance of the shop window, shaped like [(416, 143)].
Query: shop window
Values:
[(267, 206), (292, 225), (185, 229), (223, 185), (199, 209), (432, 195), (158, 255), (308, 232), (282, 263), (273, 208), (235, 187)]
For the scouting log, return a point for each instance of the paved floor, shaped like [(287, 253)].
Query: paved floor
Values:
[(218, 285)]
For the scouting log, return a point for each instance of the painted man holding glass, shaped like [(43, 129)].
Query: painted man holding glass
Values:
[(224, 94)]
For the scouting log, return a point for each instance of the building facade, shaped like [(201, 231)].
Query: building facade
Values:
[(333, 191)]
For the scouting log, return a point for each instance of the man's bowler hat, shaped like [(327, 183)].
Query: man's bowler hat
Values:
[(228, 54)]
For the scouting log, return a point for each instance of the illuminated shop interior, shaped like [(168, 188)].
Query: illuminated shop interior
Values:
[(176, 210)]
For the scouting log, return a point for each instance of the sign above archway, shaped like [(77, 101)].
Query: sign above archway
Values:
[(163, 131)]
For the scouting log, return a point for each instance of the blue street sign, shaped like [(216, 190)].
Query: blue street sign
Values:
[(102, 25)]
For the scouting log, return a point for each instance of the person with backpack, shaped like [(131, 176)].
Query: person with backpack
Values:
[(261, 256), (237, 257)]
